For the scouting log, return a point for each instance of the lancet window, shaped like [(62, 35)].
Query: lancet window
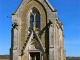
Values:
[(34, 19)]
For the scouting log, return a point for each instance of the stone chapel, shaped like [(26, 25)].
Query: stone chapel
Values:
[(37, 33)]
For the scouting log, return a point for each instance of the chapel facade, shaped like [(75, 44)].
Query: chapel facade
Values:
[(37, 33)]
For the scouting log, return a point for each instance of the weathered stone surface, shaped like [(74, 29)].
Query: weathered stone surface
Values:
[(47, 40)]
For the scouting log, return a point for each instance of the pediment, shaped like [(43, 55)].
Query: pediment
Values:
[(33, 43)]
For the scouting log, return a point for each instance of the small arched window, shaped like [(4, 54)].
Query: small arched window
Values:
[(34, 18)]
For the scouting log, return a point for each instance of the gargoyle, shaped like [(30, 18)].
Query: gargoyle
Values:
[(15, 25)]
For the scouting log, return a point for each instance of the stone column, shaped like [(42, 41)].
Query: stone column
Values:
[(58, 45), (57, 42), (14, 42), (51, 42)]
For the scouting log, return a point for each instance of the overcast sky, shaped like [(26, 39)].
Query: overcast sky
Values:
[(68, 13)]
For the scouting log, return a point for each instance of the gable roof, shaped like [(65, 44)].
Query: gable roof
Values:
[(24, 2)]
